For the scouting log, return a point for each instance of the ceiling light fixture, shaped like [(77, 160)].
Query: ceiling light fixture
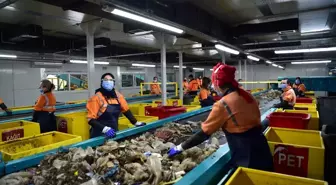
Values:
[(143, 65), (269, 62), (151, 22), (253, 58), (199, 69), (7, 56), (48, 63), (274, 65), (179, 67), (313, 62), (211, 69), (226, 49), (305, 50), (281, 67), (143, 32), (85, 62)]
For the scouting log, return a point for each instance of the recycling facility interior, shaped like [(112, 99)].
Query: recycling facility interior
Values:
[(73, 42)]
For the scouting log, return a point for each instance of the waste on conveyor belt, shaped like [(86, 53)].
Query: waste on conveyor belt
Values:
[(137, 160)]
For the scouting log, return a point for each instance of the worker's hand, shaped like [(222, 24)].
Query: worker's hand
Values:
[(139, 124), (175, 150), (109, 132)]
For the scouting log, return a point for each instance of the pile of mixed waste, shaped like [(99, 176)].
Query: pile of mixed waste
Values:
[(139, 160)]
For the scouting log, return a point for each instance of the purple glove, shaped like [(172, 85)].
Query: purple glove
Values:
[(109, 132), (175, 150)]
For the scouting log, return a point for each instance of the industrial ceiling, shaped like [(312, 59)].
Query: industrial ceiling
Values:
[(259, 27)]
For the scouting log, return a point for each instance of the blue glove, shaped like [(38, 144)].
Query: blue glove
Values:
[(139, 124), (175, 150), (109, 132)]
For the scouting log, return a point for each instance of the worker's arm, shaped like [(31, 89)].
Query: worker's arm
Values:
[(214, 122), (125, 110), (92, 107), (302, 88), (2, 105), (38, 107)]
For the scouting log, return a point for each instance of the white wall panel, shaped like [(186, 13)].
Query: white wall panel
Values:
[(6, 83)]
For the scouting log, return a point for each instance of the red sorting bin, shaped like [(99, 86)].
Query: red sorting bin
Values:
[(289, 120), (164, 111), (216, 98), (304, 100)]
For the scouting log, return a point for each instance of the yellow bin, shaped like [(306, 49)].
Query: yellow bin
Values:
[(192, 107), (195, 103), (139, 108), (18, 129), (297, 152), (170, 102), (314, 119), (305, 106), (76, 123), (27, 146), (247, 176), (310, 94)]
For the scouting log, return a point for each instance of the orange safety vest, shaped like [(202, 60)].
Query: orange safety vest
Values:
[(204, 93), (193, 85), (46, 102), (300, 87), (233, 114), (289, 95), (155, 89), (97, 104)]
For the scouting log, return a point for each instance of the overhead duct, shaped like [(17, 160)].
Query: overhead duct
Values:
[(25, 33)]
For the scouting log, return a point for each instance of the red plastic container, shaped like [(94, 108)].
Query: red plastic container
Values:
[(304, 100), (289, 120), (164, 111), (216, 98)]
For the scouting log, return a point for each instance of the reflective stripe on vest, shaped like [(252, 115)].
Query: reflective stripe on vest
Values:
[(46, 105), (226, 106), (102, 104)]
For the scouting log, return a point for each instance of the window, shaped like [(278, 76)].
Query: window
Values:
[(139, 78), (132, 80), (198, 74), (170, 77), (62, 81), (127, 80)]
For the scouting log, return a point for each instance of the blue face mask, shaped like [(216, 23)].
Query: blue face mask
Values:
[(282, 86), (108, 85), (41, 91), (297, 81)]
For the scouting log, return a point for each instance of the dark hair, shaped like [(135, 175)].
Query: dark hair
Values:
[(155, 77), (105, 74), (226, 85), (48, 85), (239, 80), (205, 82), (191, 76)]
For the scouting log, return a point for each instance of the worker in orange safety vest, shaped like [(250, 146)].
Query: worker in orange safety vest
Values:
[(185, 84), (205, 97), (155, 88), (192, 86), (299, 87), (44, 108), (4, 107), (288, 97), (238, 115), (104, 108)]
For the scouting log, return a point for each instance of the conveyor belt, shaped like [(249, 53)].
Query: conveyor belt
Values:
[(70, 108)]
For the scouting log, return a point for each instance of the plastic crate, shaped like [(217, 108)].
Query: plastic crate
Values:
[(164, 111), (304, 100), (27, 146), (170, 102), (192, 107), (289, 120), (246, 176), (18, 129), (305, 106), (139, 108), (124, 123), (310, 93), (195, 103), (314, 117), (297, 152), (76, 123)]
